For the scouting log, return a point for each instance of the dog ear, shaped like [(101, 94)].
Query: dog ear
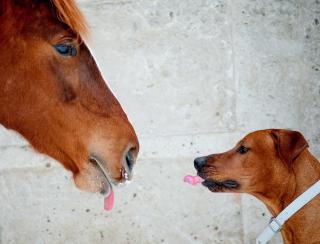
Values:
[(289, 144)]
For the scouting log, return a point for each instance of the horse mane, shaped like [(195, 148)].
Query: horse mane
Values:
[(69, 13)]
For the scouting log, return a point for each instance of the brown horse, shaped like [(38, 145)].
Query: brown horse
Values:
[(52, 93)]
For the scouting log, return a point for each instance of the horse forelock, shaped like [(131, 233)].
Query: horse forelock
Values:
[(69, 13), (66, 12)]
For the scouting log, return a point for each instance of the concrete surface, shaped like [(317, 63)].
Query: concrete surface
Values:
[(194, 77), (43, 206)]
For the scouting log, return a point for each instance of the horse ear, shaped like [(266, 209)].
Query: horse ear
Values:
[(289, 144)]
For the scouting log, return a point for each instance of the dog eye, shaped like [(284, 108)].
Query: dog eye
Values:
[(242, 149), (66, 49)]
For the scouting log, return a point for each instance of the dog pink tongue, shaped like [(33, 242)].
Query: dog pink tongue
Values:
[(109, 201), (193, 180)]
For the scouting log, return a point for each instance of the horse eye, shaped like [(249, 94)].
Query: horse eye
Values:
[(242, 150), (66, 49)]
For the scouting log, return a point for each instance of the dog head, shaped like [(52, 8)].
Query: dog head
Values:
[(262, 159)]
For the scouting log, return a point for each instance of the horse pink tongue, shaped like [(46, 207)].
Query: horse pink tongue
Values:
[(193, 180), (109, 201)]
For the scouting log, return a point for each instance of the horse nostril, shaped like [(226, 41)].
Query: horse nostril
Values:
[(130, 158), (200, 162)]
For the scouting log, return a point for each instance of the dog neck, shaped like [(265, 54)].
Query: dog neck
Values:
[(305, 172)]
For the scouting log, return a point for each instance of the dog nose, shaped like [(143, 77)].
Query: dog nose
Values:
[(200, 162)]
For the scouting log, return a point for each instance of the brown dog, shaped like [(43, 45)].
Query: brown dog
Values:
[(276, 167)]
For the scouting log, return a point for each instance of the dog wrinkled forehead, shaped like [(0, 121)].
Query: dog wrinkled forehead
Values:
[(286, 144), (259, 138)]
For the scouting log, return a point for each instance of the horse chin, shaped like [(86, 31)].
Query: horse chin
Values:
[(93, 178), (107, 182), (106, 188)]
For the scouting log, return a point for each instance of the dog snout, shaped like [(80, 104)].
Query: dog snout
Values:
[(200, 162)]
